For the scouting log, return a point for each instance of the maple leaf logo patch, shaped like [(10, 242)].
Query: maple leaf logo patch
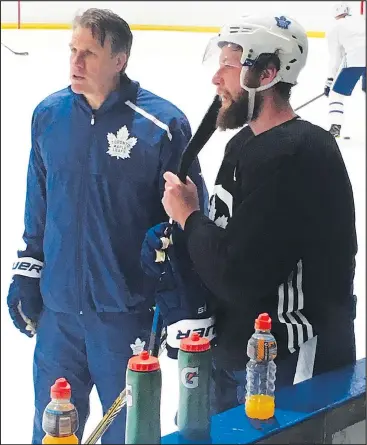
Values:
[(221, 221), (283, 22), (120, 145), (138, 346)]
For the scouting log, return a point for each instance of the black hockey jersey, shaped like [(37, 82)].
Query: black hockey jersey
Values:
[(280, 238)]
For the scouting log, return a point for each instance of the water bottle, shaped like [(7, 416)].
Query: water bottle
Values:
[(194, 364), (60, 418), (260, 371), (143, 400)]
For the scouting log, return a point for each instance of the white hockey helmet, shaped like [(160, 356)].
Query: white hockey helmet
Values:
[(256, 35), (341, 8)]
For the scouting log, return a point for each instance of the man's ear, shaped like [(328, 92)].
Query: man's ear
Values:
[(121, 62), (268, 75)]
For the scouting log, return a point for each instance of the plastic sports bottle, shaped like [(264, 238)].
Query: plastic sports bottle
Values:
[(60, 418), (194, 364), (143, 400), (260, 371)]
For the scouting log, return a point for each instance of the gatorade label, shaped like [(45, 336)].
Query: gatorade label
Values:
[(60, 423), (190, 377), (260, 349)]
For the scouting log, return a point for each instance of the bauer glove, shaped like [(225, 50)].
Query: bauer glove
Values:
[(180, 294), (24, 299)]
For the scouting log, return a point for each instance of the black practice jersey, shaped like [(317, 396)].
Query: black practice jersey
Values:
[(280, 238)]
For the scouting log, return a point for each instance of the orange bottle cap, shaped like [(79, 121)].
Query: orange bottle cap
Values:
[(143, 362), (195, 343)]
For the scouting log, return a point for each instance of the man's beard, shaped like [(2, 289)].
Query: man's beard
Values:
[(235, 116)]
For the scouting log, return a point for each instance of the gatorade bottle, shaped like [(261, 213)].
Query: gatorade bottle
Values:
[(194, 364), (60, 418), (260, 371), (143, 400)]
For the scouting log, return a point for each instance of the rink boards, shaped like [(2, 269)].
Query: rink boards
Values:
[(329, 408)]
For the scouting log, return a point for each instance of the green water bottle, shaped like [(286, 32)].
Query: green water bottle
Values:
[(143, 400), (194, 364)]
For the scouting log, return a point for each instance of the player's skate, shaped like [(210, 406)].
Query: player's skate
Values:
[(335, 130)]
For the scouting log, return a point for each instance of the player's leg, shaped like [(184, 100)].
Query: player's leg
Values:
[(60, 352), (343, 86), (336, 113), (347, 79), (111, 340), (227, 388), (336, 347)]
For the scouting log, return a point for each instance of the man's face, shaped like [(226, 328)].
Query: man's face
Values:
[(234, 110), (92, 67), (227, 78)]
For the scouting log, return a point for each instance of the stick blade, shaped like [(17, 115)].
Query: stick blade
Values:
[(16, 53)]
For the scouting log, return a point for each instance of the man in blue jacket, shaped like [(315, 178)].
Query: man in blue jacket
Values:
[(94, 187)]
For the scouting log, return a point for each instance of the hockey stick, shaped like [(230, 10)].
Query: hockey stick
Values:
[(203, 134), (309, 102), (17, 53), (196, 143), (157, 324), (200, 138)]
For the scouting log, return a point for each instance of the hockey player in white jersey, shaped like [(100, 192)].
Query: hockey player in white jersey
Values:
[(347, 62)]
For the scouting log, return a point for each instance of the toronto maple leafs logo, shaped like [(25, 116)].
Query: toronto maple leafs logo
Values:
[(137, 347), (221, 221), (283, 22), (120, 145)]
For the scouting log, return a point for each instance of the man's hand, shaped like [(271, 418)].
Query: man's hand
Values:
[(179, 199), (20, 319)]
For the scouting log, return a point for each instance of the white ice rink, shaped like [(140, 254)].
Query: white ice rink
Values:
[(169, 64)]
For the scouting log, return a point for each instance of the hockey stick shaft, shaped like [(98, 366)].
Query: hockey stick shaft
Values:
[(114, 410), (153, 346), (204, 132), (200, 138), (309, 102), (17, 53), (108, 418)]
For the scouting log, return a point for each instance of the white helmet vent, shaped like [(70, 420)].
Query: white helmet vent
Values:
[(237, 29)]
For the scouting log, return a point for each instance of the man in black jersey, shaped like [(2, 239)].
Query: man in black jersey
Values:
[(280, 236)]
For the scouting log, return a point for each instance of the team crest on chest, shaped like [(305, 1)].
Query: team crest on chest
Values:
[(120, 145)]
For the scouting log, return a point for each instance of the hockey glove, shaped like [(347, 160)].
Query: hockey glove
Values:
[(328, 83), (181, 296), (24, 299)]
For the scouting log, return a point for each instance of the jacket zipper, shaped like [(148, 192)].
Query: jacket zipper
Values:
[(79, 233)]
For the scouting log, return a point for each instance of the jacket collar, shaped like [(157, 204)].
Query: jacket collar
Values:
[(127, 90)]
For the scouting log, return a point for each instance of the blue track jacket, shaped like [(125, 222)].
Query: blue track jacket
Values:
[(94, 187)]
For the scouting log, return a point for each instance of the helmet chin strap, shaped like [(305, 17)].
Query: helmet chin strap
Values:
[(253, 91)]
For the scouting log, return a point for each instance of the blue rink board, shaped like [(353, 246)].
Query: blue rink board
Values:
[(294, 404)]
